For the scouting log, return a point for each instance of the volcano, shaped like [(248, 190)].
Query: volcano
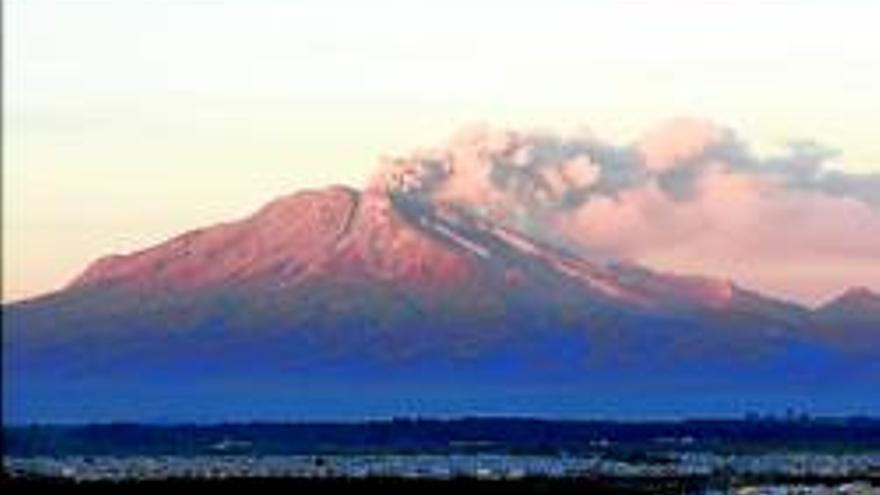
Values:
[(345, 303)]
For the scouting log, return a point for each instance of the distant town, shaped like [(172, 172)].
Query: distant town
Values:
[(754, 456), (802, 473)]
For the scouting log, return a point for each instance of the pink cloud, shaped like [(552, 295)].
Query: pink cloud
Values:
[(677, 141), (687, 197), (741, 226)]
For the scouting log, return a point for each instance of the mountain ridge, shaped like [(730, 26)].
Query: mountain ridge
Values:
[(115, 267), (323, 289)]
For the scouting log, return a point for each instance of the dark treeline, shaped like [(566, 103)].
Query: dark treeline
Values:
[(501, 435)]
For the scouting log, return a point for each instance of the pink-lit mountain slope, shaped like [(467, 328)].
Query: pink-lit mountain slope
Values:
[(431, 252), (274, 245), (339, 289)]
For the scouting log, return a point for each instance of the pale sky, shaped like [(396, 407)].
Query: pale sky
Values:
[(127, 122)]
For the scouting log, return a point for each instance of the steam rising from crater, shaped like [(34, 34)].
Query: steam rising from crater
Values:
[(688, 196)]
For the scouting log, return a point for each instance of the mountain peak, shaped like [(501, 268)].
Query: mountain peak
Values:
[(860, 292), (277, 240), (855, 297), (353, 287), (856, 308)]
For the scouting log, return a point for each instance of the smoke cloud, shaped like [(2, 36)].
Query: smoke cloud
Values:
[(690, 196)]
